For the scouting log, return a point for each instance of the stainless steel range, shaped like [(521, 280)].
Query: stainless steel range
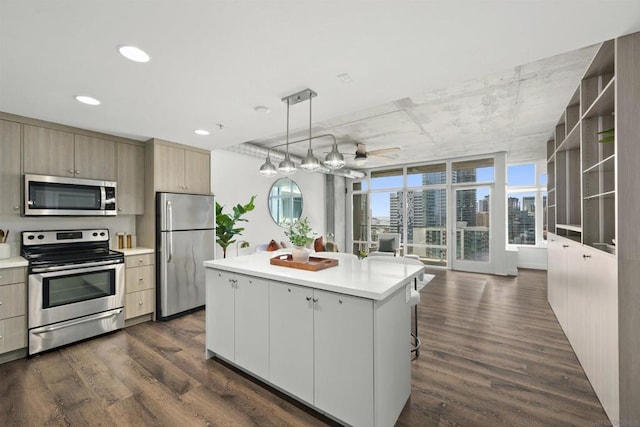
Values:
[(76, 286)]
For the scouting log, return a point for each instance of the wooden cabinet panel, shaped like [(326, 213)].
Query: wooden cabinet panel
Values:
[(197, 172), (252, 325), (220, 315), (13, 333), (48, 151), (577, 299), (169, 168), (130, 177), (343, 360), (12, 300), (139, 278), (12, 275), (138, 303), (557, 278), (291, 339), (10, 172), (95, 158), (139, 260)]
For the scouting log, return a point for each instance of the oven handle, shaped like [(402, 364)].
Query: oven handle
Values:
[(74, 266), (112, 313)]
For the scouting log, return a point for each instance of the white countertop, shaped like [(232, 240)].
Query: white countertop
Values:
[(16, 261), (361, 278), (135, 251)]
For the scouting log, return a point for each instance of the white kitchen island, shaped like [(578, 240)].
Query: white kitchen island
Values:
[(336, 339)]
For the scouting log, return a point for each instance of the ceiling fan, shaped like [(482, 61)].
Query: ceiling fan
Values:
[(361, 155)]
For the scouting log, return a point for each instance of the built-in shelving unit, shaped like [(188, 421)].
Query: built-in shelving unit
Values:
[(592, 218)]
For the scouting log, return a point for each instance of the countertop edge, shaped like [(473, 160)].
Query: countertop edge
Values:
[(16, 261), (378, 296)]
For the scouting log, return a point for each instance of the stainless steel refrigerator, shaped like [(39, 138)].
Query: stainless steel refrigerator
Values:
[(185, 237)]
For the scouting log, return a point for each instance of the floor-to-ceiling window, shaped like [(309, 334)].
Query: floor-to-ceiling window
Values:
[(411, 201), (526, 204)]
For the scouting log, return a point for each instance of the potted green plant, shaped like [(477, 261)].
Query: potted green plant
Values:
[(300, 235), (226, 228)]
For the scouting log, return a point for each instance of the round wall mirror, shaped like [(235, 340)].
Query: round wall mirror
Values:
[(285, 202)]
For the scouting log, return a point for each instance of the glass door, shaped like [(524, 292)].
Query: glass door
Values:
[(472, 243)]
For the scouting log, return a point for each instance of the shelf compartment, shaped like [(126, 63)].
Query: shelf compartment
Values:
[(605, 102), (598, 75), (605, 195), (605, 165), (570, 227), (551, 149), (572, 141)]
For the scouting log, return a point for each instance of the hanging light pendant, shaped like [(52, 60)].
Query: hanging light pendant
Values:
[(268, 169), (287, 167), (334, 159), (310, 162)]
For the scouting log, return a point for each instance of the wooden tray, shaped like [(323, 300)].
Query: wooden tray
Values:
[(314, 264)]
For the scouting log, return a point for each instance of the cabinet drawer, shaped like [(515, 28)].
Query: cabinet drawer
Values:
[(12, 275), (13, 334), (138, 303), (12, 300), (139, 278), (138, 260)]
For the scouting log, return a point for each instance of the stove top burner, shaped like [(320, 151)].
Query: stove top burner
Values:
[(67, 247)]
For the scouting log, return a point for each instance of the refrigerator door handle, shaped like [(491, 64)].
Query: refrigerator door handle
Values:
[(169, 227)]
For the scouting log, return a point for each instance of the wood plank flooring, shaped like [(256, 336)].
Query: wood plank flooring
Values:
[(492, 354)]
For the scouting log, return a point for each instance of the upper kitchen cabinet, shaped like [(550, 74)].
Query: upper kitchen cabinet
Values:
[(95, 158), (130, 177), (180, 169), (54, 152), (10, 138), (48, 151)]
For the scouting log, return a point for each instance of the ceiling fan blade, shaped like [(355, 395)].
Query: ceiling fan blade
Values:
[(383, 151), (383, 156)]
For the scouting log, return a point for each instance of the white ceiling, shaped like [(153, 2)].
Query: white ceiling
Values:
[(436, 78)]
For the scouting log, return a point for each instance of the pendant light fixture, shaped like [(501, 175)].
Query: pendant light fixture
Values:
[(334, 159), (268, 169), (287, 167), (310, 162)]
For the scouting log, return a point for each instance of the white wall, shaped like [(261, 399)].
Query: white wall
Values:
[(235, 178), (532, 257)]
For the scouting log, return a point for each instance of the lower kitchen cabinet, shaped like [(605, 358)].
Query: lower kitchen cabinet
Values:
[(583, 293), (13, 316), (238, 320), (291, 339), (345, 355), (139, 285), (321, 349)]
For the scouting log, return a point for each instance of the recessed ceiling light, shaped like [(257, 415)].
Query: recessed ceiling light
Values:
[(134, 53), (261, 109), (87, 100), (202, 132)]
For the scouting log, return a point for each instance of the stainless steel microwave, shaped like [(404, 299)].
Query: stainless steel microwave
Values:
[(64, 196)]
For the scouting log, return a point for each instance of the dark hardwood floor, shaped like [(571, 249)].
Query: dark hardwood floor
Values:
[(492, 354)]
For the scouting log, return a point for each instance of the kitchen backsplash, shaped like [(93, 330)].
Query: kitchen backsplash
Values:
[(17, 224)]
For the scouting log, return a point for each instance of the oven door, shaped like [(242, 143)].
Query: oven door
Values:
[(56, 296)]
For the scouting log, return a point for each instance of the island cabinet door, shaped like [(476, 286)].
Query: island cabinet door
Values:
[(291, 339), (220, 296), (343, 374), (252, 325)]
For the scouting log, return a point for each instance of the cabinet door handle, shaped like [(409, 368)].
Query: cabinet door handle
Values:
[(308, 298), (340, 301), (586, 256), (15, 208), (0, 302), (289, 289), (77, 172), (140, 303), (565, 246), (315, 300), (71, 171)]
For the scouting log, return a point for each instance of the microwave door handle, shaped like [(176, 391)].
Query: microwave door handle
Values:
[(103, 198), (169, 228)]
